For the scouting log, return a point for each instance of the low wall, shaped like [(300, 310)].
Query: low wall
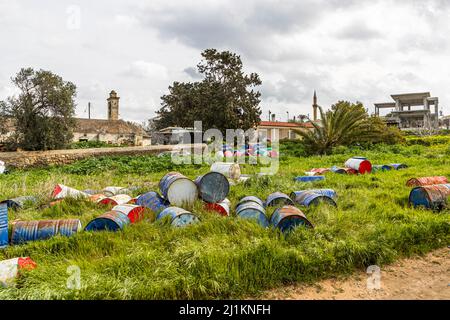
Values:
[(24, 159)]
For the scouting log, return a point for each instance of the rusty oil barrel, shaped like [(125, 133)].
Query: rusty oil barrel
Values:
[(178, 189), (3, 225), (314, 197), (289, 217), (426, 181), (222, 208), (250, 208), (153, 201), (278, 199), (431, 197), (24, 231), (111, 220), (213, 187), (179, 217)]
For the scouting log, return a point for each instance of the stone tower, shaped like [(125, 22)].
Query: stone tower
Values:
[(315, 106), (113, 106)]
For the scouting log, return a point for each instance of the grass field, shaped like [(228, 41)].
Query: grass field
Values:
[(227, 257)]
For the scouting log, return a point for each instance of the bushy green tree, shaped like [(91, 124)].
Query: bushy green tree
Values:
[(225, 99), (42, 113), (346, 124)]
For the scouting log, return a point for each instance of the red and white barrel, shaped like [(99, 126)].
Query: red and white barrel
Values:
[(116, 200), (97, 197), (133, 212), (112, 191), (178, 189), (228, 169), (9, 269), (223, 208), (61, 191), (361, 165)]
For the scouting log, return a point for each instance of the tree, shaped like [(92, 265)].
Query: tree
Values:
[(225, 99), (346, 124), (42, 113)]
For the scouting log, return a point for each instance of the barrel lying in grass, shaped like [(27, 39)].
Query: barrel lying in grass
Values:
[(251, 208), (19, 202), (320, 171), (223, 207), (213, 187), (153, 201), (426, 181), (116, 200), (109, 221), (229, 170), (61, 191), (314, 197), (289, 217), (360, 164), (133, 212), (431, 197), (178, 189), (398, 166), (338, 170), (23, 231), (278, 199), (3, 225), (381, 167), (179, 217), (309, 178)]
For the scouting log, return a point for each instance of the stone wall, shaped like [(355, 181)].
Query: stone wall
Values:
[(24, 159)]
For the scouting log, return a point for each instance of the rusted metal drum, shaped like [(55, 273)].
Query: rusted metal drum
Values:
[(178, 216), (97, 197), (111, 220), (223, 208), (18, 203), (398, 166), (426, 181), (212, 187), (251, 199), (252, 210), (61, 191), (320, 171), (116, 200), (431, 197), (314, 197), (381, 167), (309, 178), (133, 200), (288, 217), (3, 225), (278, 199), (338, 170), (178, 189), (112, 191), (228, 169), (23, 231), (153, 201), (350, 171), (133, 212), (360, 164)]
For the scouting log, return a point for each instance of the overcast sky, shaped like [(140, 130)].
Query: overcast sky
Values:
[(345, 49)]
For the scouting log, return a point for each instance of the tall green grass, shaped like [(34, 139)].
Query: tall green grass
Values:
[(226, 257)]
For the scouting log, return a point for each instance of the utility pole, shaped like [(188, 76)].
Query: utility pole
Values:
[(89, 110), (287, 112), (269, 114)]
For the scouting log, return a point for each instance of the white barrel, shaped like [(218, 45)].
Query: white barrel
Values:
[(134, 212), (116, 200), (228, 169), (362, 165), (112, 191), (61, 191), (178, 189)]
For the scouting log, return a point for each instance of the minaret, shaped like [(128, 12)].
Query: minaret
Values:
[(315, 106), (113, 106)]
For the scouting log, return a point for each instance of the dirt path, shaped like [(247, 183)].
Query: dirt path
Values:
[(420, 278)]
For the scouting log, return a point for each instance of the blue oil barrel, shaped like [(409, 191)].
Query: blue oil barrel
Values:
[(431, 197), (213, 187), (3, 225), (338, 170), (153, 201), (254, 211), (178, 216), (111, 220), (24, 231), (277, 199), (289, 217), (398, 166), (251, 199), (18, 203), (309, 178), (381, 167), (314, 197)]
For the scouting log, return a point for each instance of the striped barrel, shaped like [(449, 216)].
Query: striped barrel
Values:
[(252, 210), (223, 207), (153, 201), (178, 189), (398, 166), (115, 200), (314, 197), (277, 199), (61, 191), (19, 202), (3, 225), (309, 178), (133, 212), (111, 220), (289, 217), (23, 231), (360, 164), (212, 187), (228, 169), (426, 181), (178, 216), (431, 197), (381, 167)]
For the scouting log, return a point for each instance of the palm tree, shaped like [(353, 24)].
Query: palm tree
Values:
[(344, 124)]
